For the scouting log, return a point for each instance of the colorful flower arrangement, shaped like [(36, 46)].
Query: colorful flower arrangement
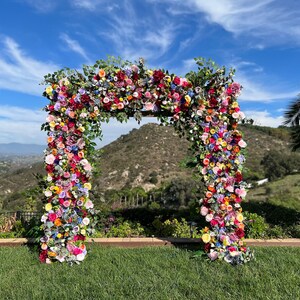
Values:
[(207, 112)]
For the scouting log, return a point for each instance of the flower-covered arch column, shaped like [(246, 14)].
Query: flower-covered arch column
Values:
[(203, 106)]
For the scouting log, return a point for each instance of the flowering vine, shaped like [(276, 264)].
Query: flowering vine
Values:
[(203, 105)]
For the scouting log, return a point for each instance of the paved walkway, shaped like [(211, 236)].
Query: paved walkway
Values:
[(141, 242)]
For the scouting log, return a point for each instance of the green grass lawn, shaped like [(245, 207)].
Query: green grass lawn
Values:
[(149, 273)]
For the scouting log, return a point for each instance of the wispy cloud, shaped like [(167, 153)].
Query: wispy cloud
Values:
[(135, 35), (74, 46), (264, 118), (43, 6), (257, 86), (20, 72), (93, 5), (271, 21), (21, 125)]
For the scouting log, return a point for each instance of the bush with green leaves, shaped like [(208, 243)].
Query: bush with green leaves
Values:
[(173, 228), (256, 226)]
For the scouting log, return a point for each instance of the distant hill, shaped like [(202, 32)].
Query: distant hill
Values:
[(145, 157), (17, 149)]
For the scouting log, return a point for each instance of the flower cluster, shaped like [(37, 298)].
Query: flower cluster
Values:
[(68, 213), (208, 111), (67, 219), (134, 88), (221, 167)]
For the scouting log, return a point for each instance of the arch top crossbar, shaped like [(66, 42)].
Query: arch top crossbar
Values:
[(203, 105)]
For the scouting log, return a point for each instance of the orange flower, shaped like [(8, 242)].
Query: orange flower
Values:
[(129, 97), (50, 139), (101, 73), (71, 114), (208, 118), (92, 115), (57, 222), (229, 207), (54, 151), (51, 254), (208, 194), (242, 226), (222, 206)]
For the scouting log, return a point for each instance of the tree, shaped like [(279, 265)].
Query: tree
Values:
[(292, 118)]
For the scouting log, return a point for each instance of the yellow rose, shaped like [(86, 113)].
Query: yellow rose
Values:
[(59, 235), (235, 104), (81, 128), (49, 90), (187, 98), (240, 217), (52, 124), (83, 231), (48, 206), (206, 238), (87, 185)]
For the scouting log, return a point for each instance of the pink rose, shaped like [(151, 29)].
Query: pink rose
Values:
[(50, 159), (77, 251), (52, 216), (148, 106), (89, 204), (203, 210), (148, 95), (213, 255), (242, 143)]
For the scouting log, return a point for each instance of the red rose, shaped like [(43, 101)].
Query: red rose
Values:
[(214, 222), (240, 233), (121, 75), (207, 247), (158, 75), (176, 80), (43, 256)]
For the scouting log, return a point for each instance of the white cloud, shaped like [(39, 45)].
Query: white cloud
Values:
[(137, 36), (273, 22), (264, 118), (21, 125), (19, 72), (257, 87), (74, 46)]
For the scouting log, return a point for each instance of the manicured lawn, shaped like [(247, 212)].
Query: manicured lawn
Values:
[(149, 273)]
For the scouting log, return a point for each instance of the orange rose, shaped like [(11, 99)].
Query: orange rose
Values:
[(57, 222), (101, 73)]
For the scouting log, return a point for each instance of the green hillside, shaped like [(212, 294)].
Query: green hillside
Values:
[(148, 157)]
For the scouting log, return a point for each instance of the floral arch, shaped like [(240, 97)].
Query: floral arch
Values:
[(204, 107)]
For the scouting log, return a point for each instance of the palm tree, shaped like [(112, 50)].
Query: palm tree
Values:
[(292, 118)]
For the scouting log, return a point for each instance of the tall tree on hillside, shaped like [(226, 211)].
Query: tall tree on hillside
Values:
[(292, 118)]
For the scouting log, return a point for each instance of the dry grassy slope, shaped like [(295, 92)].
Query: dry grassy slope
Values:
[(133, 159)]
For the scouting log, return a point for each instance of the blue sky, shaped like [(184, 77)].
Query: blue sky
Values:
[(259, 38)]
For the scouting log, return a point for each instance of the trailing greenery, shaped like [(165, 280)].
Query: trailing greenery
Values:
[(150, 273)]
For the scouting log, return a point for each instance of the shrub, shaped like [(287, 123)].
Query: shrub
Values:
[(125, 229), (172, 228), (256, 226)]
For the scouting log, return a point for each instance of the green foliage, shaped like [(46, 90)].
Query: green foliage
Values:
[(173, 228), (256, 226), (154, 205), (277, 165), (19, 228), (125, 229)]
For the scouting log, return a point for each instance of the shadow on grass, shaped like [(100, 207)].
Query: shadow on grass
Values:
[(274, 214)]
